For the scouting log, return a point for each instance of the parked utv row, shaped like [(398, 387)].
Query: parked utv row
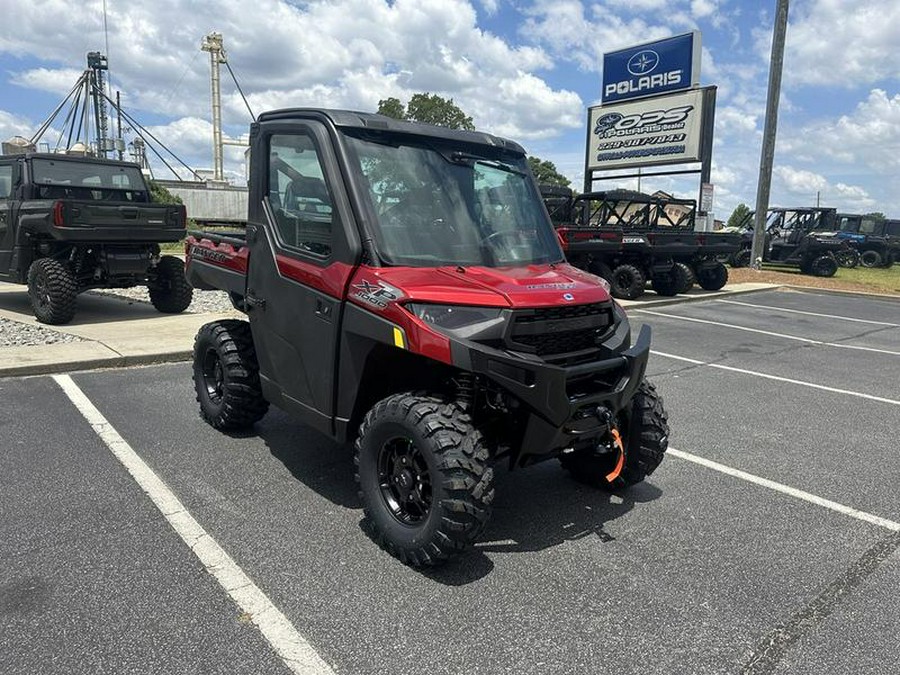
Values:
[(630, 238), (818, 240)]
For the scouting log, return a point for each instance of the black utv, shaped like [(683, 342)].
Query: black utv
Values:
[(797, 237), (73, 223)]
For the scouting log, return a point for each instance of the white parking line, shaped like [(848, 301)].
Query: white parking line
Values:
[(800, 311), (768, 332), (786, 489), (777, 378), (297, 654)]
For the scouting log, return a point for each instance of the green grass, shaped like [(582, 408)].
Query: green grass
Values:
[(879, 279)]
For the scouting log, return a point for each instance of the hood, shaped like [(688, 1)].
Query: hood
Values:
[(528, 286)]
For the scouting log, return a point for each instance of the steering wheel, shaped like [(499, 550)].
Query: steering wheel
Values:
[(499, 234)]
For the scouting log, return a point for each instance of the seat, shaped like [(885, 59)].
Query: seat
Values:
[(301, 192)]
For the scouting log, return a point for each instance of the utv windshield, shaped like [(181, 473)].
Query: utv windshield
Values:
[(437, 205)]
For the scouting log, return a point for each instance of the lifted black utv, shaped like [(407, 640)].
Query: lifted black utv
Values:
[(406, 292), (69, 224)]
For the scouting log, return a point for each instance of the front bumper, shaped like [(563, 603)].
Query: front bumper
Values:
[(562, 403)]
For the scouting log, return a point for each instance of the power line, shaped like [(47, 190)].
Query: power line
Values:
[(240, 91)]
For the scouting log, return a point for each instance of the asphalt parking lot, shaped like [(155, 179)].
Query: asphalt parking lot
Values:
[(767, 542)]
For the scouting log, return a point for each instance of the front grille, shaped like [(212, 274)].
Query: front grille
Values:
[(561, 312), (563, 329), (574, 341)]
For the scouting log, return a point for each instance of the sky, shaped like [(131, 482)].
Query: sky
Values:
[(525, 69)]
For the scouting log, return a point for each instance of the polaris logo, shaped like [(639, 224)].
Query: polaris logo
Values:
[(644, 83), (645, 61)]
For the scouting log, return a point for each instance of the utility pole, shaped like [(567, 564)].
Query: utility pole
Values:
[(212, 43), (767, 155)]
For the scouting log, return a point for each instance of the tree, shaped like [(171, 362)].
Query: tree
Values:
[(739, 215), (427, 108), (392, 107), (161, 195), (545, 172)]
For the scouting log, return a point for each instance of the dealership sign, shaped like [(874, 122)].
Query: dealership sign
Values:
[(670, 129), (652, 68)]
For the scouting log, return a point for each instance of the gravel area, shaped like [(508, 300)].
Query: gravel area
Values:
[(204, 301), (15, 334)]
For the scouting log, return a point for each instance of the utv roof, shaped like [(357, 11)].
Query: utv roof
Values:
[(62, 157), (360, 120)]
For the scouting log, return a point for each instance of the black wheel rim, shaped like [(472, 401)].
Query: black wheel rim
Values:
[(404, 481), (623, 280), (41, 291), (213, 376)]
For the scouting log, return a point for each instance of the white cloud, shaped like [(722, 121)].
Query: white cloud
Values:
[(732, 120), (347, 53), (701, 8), (13, 125), (562, 27), (801, 187), (841, 44), (59, 81), (869, 136), (800, 181), (491, 7)]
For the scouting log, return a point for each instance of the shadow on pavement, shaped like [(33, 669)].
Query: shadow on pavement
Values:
[(91, 308), (534, 509)]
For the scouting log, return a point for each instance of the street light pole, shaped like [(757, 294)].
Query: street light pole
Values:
[(768, 146)]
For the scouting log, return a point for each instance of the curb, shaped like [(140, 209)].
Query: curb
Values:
[(84, 365), (708, 295)]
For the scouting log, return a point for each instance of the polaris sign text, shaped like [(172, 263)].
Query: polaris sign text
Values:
[(653, 68), (662, 130)]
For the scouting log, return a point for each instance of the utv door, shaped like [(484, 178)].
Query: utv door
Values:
[(299, 266), (6, 224)]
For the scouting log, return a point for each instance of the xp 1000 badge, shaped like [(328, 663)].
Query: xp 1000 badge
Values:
[(377, 294)]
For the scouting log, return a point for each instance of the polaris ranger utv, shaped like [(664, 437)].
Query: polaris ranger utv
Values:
[(405, 291), (629, 237), (577, 220), (798, 237), (69, 224), (871, 237)]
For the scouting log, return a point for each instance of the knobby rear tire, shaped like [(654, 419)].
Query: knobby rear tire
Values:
[(169, 290), (226, 376), (52, 291), (627, 282), (870, 259), (713, 278)]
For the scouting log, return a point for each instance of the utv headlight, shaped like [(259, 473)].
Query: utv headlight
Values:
[(464, 322)]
